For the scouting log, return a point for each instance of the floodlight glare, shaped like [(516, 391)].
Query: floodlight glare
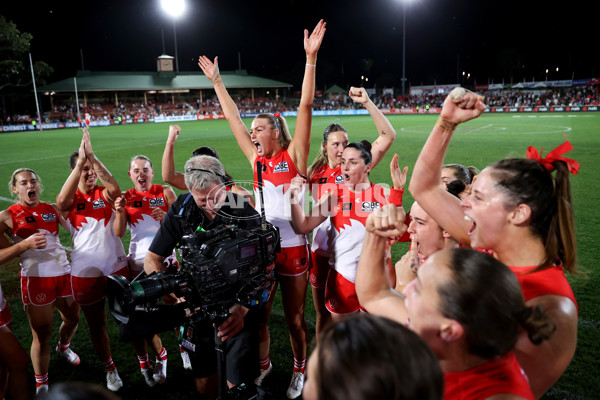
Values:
[(174, 8)]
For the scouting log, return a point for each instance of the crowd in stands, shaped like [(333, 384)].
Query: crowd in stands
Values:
[(548, 97)]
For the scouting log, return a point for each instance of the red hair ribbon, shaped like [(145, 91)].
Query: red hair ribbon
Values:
[(554, 155)]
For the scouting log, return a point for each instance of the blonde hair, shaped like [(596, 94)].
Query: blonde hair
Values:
[(140, 157), (13, 179), (279, 123)]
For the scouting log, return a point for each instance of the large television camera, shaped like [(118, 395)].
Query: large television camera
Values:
[(220, 267)]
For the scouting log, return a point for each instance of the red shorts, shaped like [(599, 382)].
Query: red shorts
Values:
[(340, 294), (292, 261), (319, 270), (41, 291), (88, 291), (5, 316)]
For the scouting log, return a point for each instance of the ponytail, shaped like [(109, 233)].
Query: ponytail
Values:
[(527, 181), (564, 226), (539, 326), (318, 163)]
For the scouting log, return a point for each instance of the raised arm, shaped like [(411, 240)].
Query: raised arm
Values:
[(386, 131), (306, 223), (460, 106), (374, 290), (111, 187), (300, 145), (65, 197), (211, 70), (169, 175)]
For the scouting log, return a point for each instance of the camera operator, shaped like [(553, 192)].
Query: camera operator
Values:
[(210, 205)]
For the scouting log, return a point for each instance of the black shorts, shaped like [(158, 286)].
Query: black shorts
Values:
[(241, 352)]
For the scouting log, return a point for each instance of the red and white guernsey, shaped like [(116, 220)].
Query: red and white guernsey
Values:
[(97, 251), (43, 218), (142, 225), (349, 222), (277, 173), (323, 180)]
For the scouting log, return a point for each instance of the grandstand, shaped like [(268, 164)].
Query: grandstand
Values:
[(119, 97)]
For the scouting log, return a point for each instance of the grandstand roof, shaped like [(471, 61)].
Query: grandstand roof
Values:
[(335, 89), (94, 81)]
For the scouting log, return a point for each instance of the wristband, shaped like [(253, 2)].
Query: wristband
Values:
[(395, 196), (311, 65)]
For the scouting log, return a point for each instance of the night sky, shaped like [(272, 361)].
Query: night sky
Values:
[(491, 40)]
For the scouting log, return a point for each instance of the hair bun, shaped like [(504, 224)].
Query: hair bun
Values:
[(366, 144)]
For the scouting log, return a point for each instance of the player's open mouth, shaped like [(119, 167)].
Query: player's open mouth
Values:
[(258, 147), (472, 226), (31, 194)]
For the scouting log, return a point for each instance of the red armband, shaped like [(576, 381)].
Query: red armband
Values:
[(396, 197)]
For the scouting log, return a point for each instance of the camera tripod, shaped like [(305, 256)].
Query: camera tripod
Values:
[(242, 391)]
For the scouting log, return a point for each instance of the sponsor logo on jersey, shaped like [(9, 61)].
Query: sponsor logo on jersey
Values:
[(98, 203), (157, 202), (281, 167), (80, 206), (29, 219), (50, 217), (370, 205), (339, 179), (137, 204)]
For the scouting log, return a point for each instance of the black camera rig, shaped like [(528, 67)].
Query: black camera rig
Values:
[(220, 267)]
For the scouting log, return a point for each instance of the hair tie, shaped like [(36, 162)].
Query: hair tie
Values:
[(554, 155)]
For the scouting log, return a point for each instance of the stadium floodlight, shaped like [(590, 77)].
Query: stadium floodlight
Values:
[(404, 45), (175, 9)]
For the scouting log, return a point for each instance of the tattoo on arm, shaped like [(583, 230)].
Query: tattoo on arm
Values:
[(105, 176), (446, 125)]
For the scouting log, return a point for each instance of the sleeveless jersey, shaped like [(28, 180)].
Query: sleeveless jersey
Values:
[(500, 376), (277, 173), (551, 280), (326, 178), (139, 215), (349, 222), (323, 180), (97, 251), (50, 261)]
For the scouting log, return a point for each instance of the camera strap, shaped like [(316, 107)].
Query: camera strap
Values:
[(189, 216)]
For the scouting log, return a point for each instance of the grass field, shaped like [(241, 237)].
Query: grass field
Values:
[(478, 143)]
